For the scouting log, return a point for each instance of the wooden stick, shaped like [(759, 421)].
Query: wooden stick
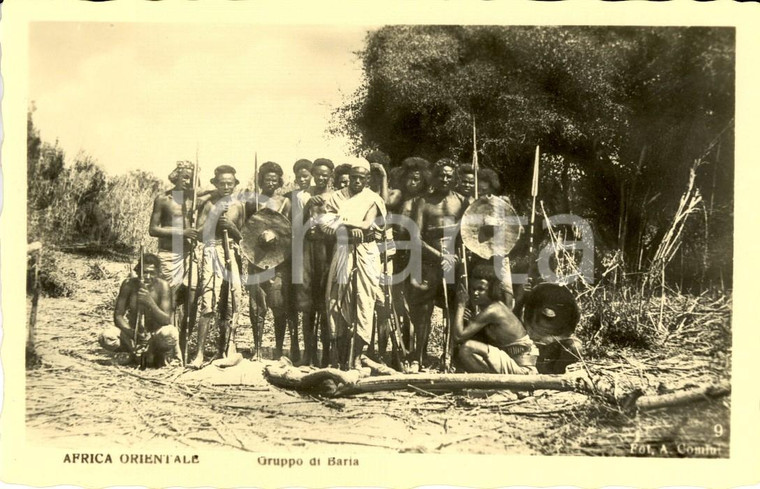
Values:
[(533, 194), (684, 397), (139, 309), (36, 246), (354, 281), (475, 156)]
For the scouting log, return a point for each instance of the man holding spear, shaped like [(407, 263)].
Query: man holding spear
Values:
[(142, 318), (437, 216), (271, 292), (172, 222), (217, 278), (309, 298)]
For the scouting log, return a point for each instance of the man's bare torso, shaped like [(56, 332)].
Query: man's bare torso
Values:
[(440, 214), (173, 210), (235, 212), (503, 326), (156, 290)]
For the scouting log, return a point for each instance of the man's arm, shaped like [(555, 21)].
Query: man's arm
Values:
[(157, 230), (120, 310), (159, 313), (203, 216), (463, 333), (419, 219), (287, 208), (235, 223), (395, 199)]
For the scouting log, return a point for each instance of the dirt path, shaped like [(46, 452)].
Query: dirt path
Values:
[(80, 392)]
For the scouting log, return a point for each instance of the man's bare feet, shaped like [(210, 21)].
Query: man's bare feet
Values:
[(295, 355), (197, 362)]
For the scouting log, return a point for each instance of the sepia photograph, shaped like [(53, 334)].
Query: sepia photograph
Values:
[(427, 239), (312, 246)]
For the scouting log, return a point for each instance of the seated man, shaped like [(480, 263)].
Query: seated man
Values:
[(502, 345), (158, 342)]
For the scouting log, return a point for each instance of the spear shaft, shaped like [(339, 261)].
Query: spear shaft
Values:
[(189, 322), (475, 155), (534, 194)]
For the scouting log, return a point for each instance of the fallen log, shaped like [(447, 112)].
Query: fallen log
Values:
[(457, 382), (683, 397), (334, 382)]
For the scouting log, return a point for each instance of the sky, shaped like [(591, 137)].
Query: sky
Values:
[(144, 95)]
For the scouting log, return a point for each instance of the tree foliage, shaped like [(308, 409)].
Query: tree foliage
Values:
[(78, 203), (620, 113)]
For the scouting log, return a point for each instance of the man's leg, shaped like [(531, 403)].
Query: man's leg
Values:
[(383, 330), (115, 340), (472, 355), (206, 301), (421, 315), (421, 298), (164, 346), (359, 345), (308, 323), (203, 325), (280, 328), (328, 340)]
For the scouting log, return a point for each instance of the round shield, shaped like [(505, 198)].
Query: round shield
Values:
[(266, 239), (490, 227), (550, 310)]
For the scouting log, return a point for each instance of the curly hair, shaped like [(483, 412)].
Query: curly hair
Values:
[(270, 167), (413, 164), (302, 164), (341, 170), (491, 177), (149, 259), (485, 271), (327, 163)]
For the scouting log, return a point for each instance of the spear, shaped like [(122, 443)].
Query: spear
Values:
[(475, 155), (258, 329), (256, 179), (189, 321), (533, 194), (139, 308)]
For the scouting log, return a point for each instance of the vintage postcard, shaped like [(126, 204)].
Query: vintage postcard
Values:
[(378, 244)]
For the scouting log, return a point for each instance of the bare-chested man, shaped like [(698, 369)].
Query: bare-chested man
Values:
[(170, 223), (219, 282), (158, 343), (272, 293), (310, 294), (492, 339), (437, 216), (413, 178)]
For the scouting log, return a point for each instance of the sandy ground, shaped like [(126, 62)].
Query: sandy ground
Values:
[(81, 392)]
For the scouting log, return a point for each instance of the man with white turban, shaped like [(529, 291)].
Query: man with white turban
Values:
[(355, 215)]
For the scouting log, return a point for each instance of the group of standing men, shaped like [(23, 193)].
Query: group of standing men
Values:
[(348, 279)]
